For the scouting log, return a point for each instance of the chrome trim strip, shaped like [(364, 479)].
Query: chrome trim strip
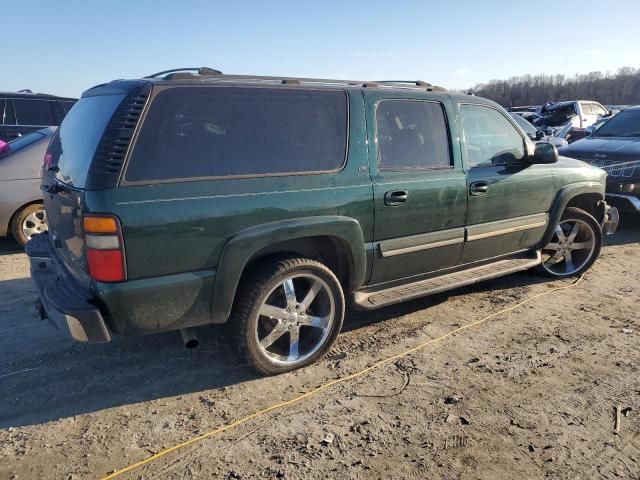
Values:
[(416, 248), (535, 221), (421, 241), (248, 194), (504, 231)]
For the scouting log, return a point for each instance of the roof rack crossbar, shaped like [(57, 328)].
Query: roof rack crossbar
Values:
[(417, 83), (198, 70)]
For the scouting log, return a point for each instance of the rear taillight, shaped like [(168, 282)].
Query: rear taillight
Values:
[(105, 248), (47, 162)]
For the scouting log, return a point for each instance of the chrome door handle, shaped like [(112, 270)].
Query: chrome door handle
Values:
[(395, 198), (479, 188)]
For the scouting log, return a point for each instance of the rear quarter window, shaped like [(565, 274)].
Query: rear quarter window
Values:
[(196, 132), (74, 144)]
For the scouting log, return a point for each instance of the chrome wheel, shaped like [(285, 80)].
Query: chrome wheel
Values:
[(295, 319), (34, 223), (572, 246)]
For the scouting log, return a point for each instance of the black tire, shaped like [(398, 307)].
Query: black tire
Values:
[(18, 219), (573, 214), (260, 286)]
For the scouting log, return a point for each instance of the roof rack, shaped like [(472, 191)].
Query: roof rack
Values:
[(211, 74), (198, 70), (25, 90), (417, 83)]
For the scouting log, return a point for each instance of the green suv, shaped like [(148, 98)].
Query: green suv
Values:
[(271, 204)]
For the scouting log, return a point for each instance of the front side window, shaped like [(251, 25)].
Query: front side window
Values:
[(586, 108), (412, 135), (490, 138), (194, 132), (598, 109), (33, 112)]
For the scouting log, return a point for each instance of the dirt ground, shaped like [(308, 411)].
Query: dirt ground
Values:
[(529, 394)]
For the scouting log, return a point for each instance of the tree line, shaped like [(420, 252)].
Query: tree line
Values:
[(620, 88)]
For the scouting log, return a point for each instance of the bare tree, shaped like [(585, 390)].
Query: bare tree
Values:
[(620, 88)]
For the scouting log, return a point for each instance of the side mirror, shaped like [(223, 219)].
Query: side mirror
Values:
[(539, 134), (545, 153)]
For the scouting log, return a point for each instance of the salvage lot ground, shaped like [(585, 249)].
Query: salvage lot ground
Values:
[(529, 394)]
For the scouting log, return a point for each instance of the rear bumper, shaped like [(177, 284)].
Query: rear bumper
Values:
[(64, 301), (627, 203)]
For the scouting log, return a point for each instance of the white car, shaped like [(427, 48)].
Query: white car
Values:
[(581, 113)]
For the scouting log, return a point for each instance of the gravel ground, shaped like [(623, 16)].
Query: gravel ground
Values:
[(529, 394)]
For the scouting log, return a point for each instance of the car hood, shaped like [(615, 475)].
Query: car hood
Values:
[(618, 156)]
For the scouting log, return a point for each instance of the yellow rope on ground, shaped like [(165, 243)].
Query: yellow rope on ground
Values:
[(316, 390)]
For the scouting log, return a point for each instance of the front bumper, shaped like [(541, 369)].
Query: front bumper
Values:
[(64, 301), (625, 202), (611, 220)]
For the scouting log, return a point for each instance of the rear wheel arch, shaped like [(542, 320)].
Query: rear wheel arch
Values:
[(329, 250), (336, 242)]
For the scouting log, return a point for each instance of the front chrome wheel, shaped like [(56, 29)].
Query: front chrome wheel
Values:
[(295, 319), (571, 248)]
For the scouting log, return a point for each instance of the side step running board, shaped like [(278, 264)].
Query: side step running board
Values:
[(382, 298)]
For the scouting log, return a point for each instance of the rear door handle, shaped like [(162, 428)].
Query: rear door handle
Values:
[(479, 188), (395, 198)]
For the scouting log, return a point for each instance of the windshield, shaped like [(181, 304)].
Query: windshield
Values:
[(525, 125), (624, 124), (76, 140)]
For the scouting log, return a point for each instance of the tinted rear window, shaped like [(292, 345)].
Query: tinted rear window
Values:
[(193, 132), (33, 112), (75, 142), (412, 135)]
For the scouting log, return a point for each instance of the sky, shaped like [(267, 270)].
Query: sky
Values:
[(64, 47)]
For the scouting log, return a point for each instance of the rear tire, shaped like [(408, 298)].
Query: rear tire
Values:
[(287, 315), (574, 247), (28, 222)]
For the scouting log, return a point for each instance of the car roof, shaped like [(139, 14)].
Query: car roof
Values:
[(207, 76), (29, 94)]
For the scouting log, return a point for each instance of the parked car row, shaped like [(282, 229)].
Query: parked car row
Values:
[(272, 204)]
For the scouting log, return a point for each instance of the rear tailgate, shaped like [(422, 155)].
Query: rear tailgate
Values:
[(67, 165)]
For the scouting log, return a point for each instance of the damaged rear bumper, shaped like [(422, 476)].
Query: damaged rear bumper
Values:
[(64, 301)]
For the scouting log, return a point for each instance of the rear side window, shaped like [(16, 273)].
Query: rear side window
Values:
[(33, 112), (412, 134), (193, 132), (490, 138)]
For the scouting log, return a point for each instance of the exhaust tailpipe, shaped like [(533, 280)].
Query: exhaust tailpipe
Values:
[(189, 338)]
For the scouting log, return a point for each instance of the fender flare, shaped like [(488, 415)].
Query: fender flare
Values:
[(563, 197), (245, 244)]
